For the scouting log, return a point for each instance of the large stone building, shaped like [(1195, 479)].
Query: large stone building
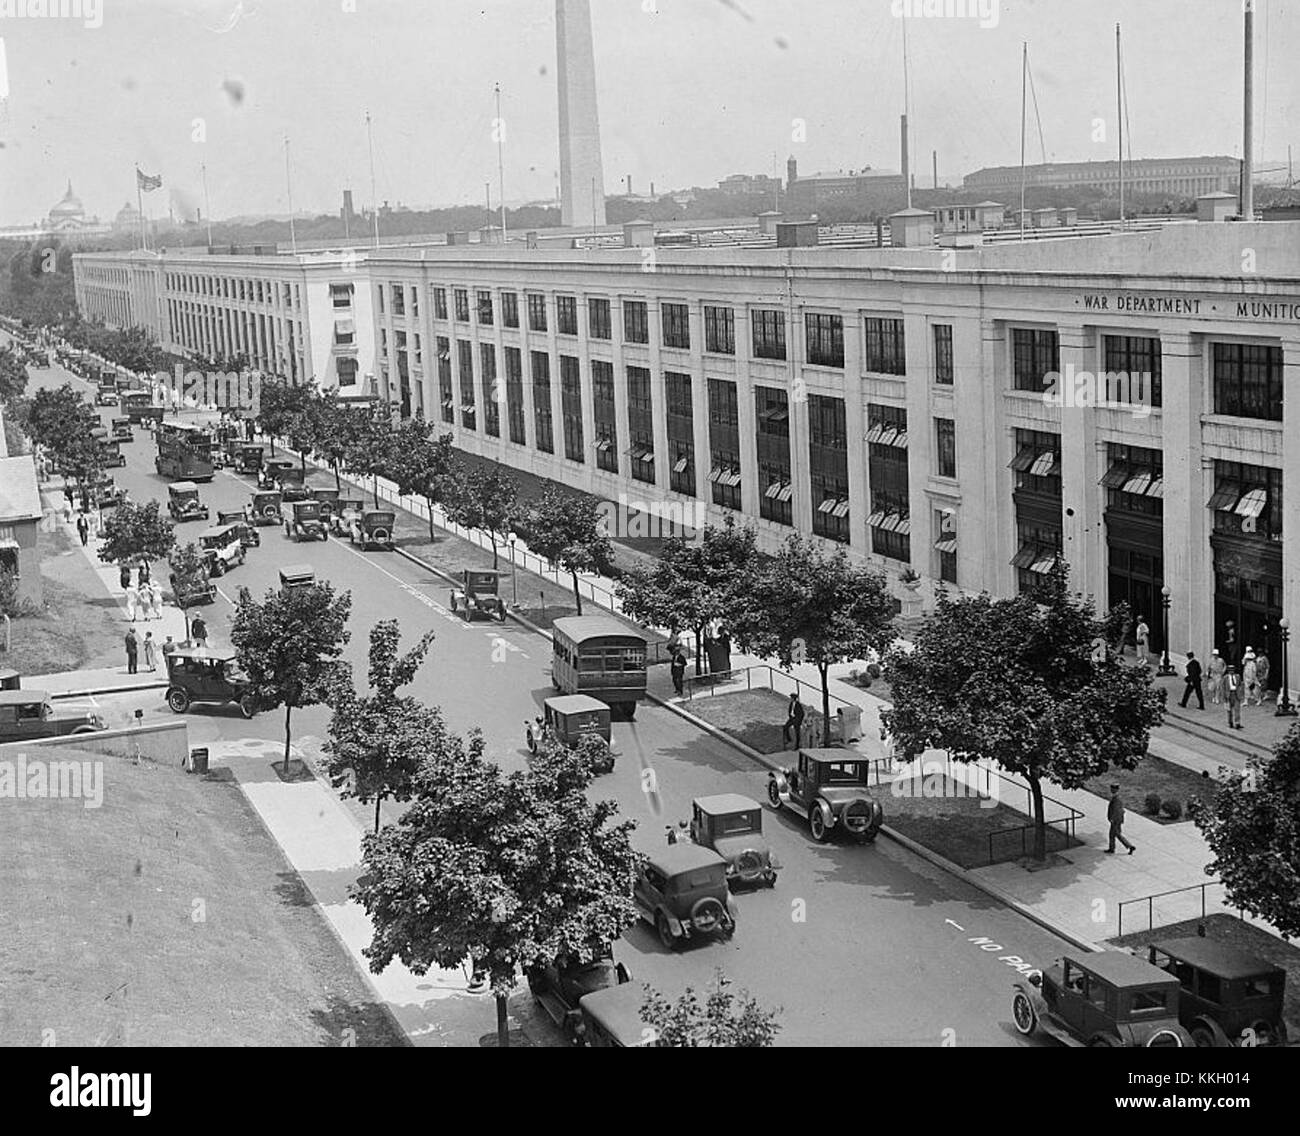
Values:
[(1179, 177)]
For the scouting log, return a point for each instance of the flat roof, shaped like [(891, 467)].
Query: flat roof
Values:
[(576, 703), (20, 495), (20, 697), (830, 753), (1221, 959), (726, 803), (683, 857), (1121, 968), (577, 627), (297, 570), (182, 486)]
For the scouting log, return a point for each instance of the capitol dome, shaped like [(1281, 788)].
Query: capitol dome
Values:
[(70, 208), (127, 217)]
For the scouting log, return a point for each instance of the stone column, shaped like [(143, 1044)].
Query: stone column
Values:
[(1082, 470), (1291, 504)]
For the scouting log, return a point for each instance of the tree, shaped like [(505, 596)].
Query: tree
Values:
[(1252, 825), (376, 743), (484, 498), (724, 1021), (809, 606), (422, 466), (290, 645), (189, 577), (281, 408), (569, 531), (370, 445), (332, 429), (137, 532), (13, 375), (1017, 682), (693, 583), (60, 422), (509, 870)]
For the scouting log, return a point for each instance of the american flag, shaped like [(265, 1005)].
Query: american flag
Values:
[(147, 183)]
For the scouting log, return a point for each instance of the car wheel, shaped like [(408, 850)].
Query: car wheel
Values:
[(708, 915), (84, 729), (665, 931), (817, 825), (248, 705), (1202, 1036), (1023, 1013), (178, 700), (773, 794)]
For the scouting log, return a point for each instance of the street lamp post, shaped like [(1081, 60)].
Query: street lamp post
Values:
[(1285, 708), (514, 568), (1166, 667)]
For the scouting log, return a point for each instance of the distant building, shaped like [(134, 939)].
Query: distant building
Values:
[(69, 217), (809, 191), (1180, 177), (128, 217), (20, 515), (970, 218), (750, 183)]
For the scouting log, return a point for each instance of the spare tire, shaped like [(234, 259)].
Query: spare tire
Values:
[(708, 915), (269, 510), (378, 534)]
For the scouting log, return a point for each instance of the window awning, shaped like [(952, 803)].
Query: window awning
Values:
[(1116, 475), (1252, 503), (787, 491), (1138, 484), (1024, 459), (1025, 557), (467, 407), (873, 435), (604, 444), (773, 489), (1044, 465), (948, 544), (448, 403), (888, 434), (1044, 563), (874, 520), (1157, 488), (680, 464), (888, 523), (904, 526), (900, 440), (841, 508), (1225, 497), (716, 473), (774, 414), (828, 503), (347, 327)]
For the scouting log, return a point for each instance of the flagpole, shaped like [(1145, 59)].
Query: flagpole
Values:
[(288, 181), (501, 168), (139, 204), (207, 205)]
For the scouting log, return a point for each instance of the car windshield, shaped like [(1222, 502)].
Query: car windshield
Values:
[(737, 823), (844, 773), (1148, 1003), (699, 878)]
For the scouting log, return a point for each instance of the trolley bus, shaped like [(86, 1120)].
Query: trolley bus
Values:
[(184, 452), (599, 656)]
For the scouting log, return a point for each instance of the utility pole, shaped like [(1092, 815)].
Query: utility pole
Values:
[(501, 162), (207, 205), (1119, 114), (288, 181), (374, 201)]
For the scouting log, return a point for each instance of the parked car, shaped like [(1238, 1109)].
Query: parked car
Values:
[(829, 788), (346, 513), (106, 391), (297, 576), (29, 714), (611, 1018), (374, 529), (249, 537), (264, 508), (328, 499), (247, 459), (681, 891), (305, 523), (561, 987), (196, 674), (268, 474), (106, 494), (569, 718), (183, 502), (477, 593), (1228, 997), (110, 452), (222, 548), (732, 825), (292, 483), (195, 593), (1111, 999)]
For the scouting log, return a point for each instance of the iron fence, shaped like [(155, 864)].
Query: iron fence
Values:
[(1149, 901)]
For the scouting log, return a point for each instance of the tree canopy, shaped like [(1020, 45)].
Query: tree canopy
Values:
[(568, 530), (135, 532), (724, 1020)]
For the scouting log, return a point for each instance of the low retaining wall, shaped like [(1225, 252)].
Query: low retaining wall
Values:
[(166, 743)]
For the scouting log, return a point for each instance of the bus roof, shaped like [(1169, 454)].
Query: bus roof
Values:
[(579, 628)]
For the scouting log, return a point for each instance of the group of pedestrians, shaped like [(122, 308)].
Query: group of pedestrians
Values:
[(134, 646), (1230, 684), (144, 598)]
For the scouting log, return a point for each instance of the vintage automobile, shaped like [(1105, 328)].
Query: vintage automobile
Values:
[(829, 788), (249, 537), (292, 483), (197, 674), (732, 826), (611, 1019), (328, 499), (1111, 999), (122, 430), (305, 522), (569, 718), (264, 508), (267, 475), (222, 548), (681, 891), (106, 494), (10, 679), (247, 459), (106, 391), (374, 529), (478, 593), (110, 452), (194, 593), (29, 714), (561, 987), (346, 513), (297, 576), (1229, 997), (183, 502)]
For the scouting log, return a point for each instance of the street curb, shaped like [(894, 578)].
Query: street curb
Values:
[(106, 690)]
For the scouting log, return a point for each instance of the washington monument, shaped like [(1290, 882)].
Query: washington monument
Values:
[(582, 177)]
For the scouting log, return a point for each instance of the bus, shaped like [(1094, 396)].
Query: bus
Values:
[(139, 407), (184, 452), (599, 656)]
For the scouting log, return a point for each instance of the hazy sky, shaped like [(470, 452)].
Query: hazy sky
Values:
[(690, 90)]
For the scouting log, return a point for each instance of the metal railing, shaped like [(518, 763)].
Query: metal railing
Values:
[(1149, 901), (1068, 832)]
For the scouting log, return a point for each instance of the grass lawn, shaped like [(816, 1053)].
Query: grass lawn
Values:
[(1232, 931), (754, 717), (81, 626), (1153, 775), (166, 917)]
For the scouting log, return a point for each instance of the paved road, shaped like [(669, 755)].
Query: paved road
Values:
[(857, 945)]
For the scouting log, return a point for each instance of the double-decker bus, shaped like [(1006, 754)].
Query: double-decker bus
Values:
[(184, 451)]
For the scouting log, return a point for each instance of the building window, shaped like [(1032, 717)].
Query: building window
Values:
[(415, 302), (1037, 463), (945, 438), (347, 372), (1132, 369), (509, 309), (1039, 546), (515, 395), (825, 338), (566, 315), (445, 391), (829, 467), (440, 303), (681, 433), (640, 418), (536, 311), (1035, 354), (606, 417), (485, 307), (571, 406), (1247, 501), (890, 520), (491, 392), (1248, 381), (768, 329), (379, 296), (676, 325), (636, 323), (719, 330), (465, 358), (542, 401), (945, 544), (341, 295), (775, 485), (460, 297), (598, 325), (886, 354), (943, 353), (1134, 480), (399, 300), (724, 443)]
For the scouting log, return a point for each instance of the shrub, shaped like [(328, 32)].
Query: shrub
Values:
[(1172, 808), (1152, 803), (873, 669)]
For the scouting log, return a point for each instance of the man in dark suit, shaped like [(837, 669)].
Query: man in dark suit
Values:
[(1192, 677)]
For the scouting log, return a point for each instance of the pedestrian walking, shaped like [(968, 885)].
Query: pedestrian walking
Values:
[(1115, 814), (1192, 677), (1262, 667), (793, 720), (1143, 638), (83, 529), (132, 601), (1250, 677), (168, 648), (156, 596), (124, 575), (132, 650), (1217, 669), (67, 495), (678, 669), (1232, 696), (142, 573), (199, 631), (150, 651)]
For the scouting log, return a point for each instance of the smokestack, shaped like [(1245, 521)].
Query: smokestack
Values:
[(1248, 141), (906, 161), (582, 179), (934, 156), (629, 185)]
